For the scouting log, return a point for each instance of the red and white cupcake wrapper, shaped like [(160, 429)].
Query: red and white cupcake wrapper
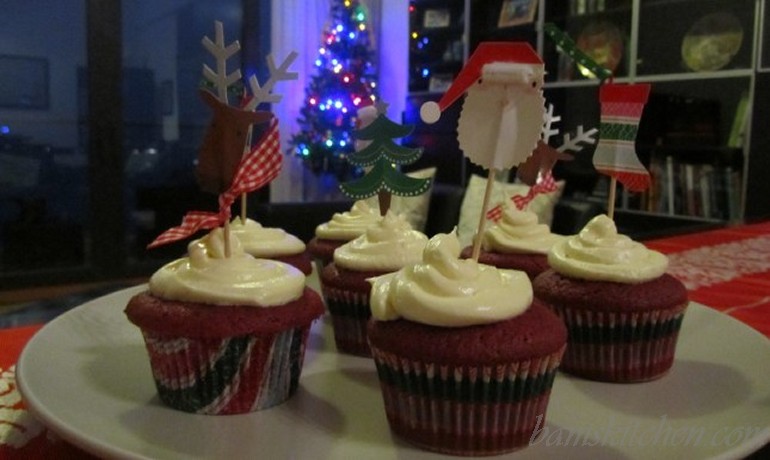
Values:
[(350, 313), (466, 410), (229, 375), (620, 347)]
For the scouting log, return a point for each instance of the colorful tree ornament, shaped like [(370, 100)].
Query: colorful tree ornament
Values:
[(384, 156), (344, 82)]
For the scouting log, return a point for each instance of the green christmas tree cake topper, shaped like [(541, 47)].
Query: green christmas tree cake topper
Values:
[(384, 156)]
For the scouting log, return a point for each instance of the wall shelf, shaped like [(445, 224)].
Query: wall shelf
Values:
[(702, 107)]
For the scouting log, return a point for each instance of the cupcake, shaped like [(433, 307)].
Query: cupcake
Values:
[(272, 243), (465, 356), (225, 335), (341, 228), (622, 311), (385, 247), (516, 242)]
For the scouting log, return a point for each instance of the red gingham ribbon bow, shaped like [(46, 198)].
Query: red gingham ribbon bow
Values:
[(257, 168), (546, 184)]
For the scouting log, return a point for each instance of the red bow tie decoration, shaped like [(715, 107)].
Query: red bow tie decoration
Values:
[(257, 168), (547, 184)]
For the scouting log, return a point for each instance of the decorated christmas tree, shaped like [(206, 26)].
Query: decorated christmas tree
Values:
[(344, 82), (383, 156)]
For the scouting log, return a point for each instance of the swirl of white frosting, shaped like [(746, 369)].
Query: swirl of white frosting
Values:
[(599, 253), (265, 242), (207, 276), (386, 246), (445, 290), (350, 224), (518, 232)]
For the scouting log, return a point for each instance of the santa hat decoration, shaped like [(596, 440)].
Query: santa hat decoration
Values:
[(486, 53), (366, 113)]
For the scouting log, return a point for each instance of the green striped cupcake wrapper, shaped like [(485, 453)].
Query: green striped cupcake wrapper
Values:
[(466, 410), (620, 347), (350, 313), (230, 375)]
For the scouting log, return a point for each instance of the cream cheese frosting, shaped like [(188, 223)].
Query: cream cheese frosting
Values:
[(519, 232), (386, 246), (444, 290), (207, 276), (266, 242), (351, 224), (599, 253)]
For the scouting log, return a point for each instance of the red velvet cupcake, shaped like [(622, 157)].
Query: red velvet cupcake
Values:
[(385, 247), (219, 345), (340, 229), (272, 243), (516, 242), (622, 311), (465, 356)]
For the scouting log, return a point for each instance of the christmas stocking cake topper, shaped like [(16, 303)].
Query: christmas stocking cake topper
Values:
[(621, 109), (615, 156)]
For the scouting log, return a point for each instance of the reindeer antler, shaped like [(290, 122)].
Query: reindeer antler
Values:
[(549, 120), (264, 93), (581, 137), (220, 78)]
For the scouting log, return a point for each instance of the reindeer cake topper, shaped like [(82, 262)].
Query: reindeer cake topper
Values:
[(536, 171), (228, 164), (228, 135)]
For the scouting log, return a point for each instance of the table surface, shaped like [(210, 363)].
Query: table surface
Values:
[(727, 269)]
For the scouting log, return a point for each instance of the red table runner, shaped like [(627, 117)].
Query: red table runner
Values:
[(727, 269), (21, 435)]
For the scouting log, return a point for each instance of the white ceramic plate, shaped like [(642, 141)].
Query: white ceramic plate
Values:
[(87, 377)]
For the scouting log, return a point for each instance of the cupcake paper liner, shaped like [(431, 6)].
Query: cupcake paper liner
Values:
[(229, 375), (350, 313), (466, 410), (620, 347)]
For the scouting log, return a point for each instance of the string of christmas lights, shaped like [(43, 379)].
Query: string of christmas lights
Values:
[(345, 80)]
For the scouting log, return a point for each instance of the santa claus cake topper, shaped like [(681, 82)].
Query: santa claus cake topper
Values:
[(503, 113)]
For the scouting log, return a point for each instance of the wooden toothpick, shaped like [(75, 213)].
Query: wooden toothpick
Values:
[(483, 216)]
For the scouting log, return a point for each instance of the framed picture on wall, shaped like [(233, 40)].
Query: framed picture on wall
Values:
[(436, 18), (23, 82), (517, 12)]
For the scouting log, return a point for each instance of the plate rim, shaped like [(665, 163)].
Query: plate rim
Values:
[(59, 426)]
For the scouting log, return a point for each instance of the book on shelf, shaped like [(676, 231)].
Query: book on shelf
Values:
[(690, 187)]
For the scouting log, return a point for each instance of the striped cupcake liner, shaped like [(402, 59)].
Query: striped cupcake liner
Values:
[(224, 376), (350, 313), (466, 410), (620, 347)]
